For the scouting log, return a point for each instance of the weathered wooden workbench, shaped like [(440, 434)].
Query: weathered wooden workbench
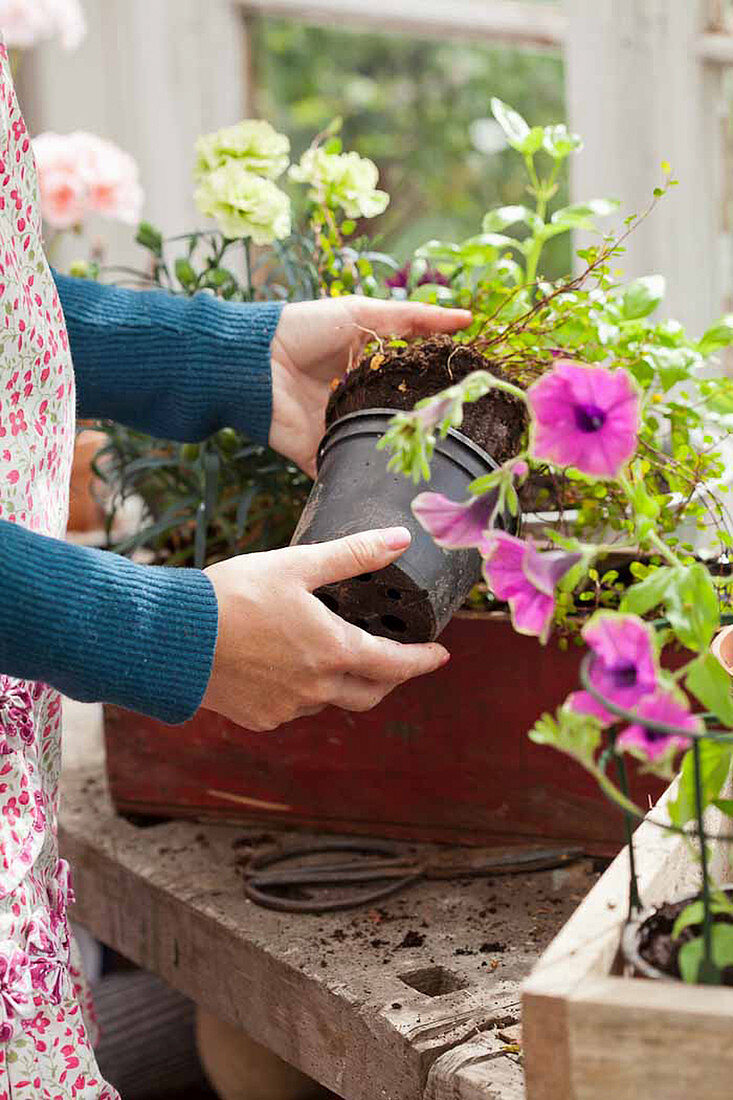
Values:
[(417, 999)]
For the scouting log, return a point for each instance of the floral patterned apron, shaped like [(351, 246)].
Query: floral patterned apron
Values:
[(45, 1049)]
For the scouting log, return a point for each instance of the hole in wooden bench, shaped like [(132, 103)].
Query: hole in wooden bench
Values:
[(434, 981)]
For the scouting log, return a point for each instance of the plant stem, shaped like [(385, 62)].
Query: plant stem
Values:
[(708, 971), (248, 268), (663, 549), (634, 898)]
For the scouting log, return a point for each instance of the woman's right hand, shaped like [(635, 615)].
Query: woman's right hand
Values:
[(281, 654)]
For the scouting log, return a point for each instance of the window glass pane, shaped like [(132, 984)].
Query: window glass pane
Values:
[(421, 109)]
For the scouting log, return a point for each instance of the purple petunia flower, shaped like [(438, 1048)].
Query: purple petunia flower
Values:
[(452, 524), (652, 744), (625, 666), (587, 417), (516, 571), (401, 278)]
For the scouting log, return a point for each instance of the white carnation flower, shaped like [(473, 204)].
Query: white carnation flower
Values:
[(244, 205), (342, 179)]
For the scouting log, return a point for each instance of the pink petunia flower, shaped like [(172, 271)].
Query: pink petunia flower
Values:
[(653, 744), (516, 571), (587, 417), (625, 666), (455, 525)]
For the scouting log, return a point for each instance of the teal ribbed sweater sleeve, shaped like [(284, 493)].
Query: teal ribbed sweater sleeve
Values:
[(178, 368), (99, 627), (94, 625)]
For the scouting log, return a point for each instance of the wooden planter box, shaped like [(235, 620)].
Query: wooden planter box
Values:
[(444, 758), (592, 1034)]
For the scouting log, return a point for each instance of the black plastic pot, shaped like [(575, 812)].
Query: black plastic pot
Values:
[(415, 598)]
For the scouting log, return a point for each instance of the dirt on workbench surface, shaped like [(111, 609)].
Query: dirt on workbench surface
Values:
[(397, 378), (659, 949), (440, 935)]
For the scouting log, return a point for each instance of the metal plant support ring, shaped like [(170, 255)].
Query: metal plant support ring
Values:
[(708, 972)]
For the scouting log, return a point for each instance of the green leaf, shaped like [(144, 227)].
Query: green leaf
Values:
[(438, 250), (515, 129), (642, 297), (692, 606), (560, 142), (580, 215), (150, 237), (691, 954), (577, 735), (715, 759), (431, 292), (708, 681), (719, 336), (185, 273), (650, 592), (725, 805), (695, 914), (503, 216)]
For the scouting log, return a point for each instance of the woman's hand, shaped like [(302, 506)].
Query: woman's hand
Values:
[(316, 342), (281, 654)]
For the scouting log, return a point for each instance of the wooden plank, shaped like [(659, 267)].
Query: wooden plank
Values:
[(542, 26), (350, 999), (639, 94), (482, 1069), (590, 1034)]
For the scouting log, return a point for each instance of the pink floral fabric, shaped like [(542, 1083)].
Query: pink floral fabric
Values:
[(45, 1048)]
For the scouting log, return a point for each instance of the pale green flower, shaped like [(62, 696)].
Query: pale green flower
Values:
[(254, 143), (244, 205), (342, 179)]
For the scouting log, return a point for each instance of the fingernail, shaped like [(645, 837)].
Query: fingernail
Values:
[(397, 538), (446, 659)]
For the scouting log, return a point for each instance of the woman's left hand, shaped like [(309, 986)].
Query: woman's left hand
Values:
[(318, 341)]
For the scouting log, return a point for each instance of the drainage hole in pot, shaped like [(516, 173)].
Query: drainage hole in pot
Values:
[(330, 601), (393, 623), (394, 594), (365, 577)]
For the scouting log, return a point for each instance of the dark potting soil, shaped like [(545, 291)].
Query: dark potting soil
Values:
[(657, 947), (397, 378)]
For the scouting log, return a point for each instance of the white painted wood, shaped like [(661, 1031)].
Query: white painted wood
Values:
[(640, 94), (151, 75), (517, 21)]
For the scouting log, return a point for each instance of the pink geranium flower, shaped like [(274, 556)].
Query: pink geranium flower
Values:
[(652, 744), (625, 665), (111, 177), (587, 417), (516, 571), (23, 23), (79, 173)]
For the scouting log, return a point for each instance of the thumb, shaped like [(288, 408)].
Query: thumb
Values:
[(366, 552)]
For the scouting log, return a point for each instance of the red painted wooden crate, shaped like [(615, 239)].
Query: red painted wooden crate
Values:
[(444, 758)]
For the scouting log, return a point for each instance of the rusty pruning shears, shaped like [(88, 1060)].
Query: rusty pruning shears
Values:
[(371, 870)]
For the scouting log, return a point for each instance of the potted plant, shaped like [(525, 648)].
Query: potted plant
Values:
[(654, 687), (383, 772)]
